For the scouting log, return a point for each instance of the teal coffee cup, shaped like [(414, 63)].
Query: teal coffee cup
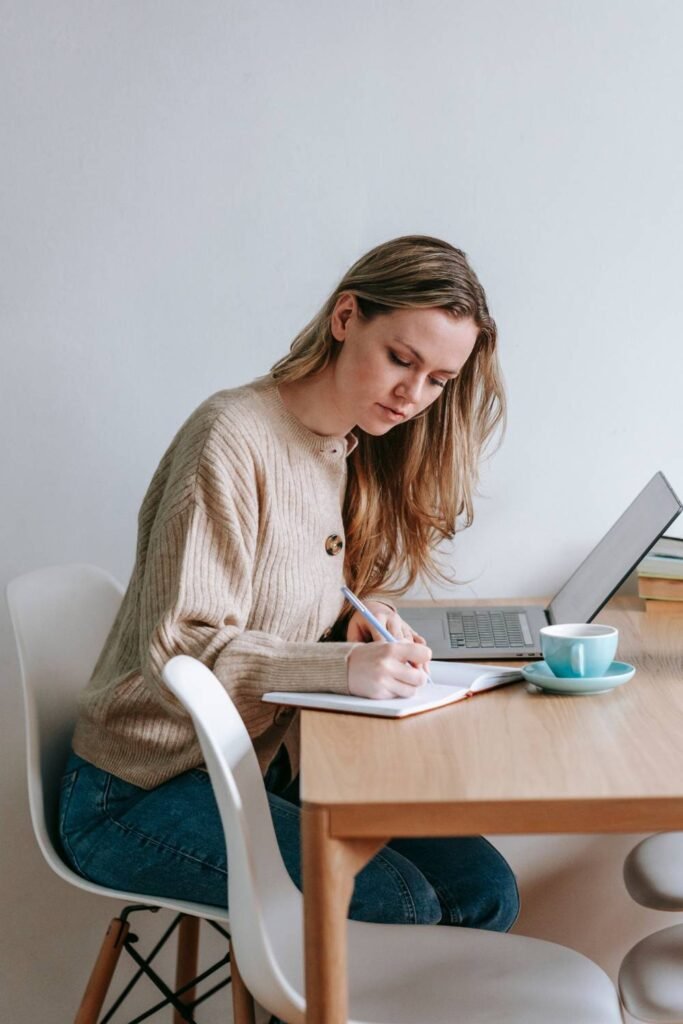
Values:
[(579, 650)]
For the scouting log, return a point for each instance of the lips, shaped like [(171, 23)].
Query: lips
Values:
[(396, 414)]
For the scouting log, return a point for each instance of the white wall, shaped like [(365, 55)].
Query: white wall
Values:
[(183, 183)]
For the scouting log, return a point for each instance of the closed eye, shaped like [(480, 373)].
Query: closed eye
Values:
[(395, 359), (401, 362)]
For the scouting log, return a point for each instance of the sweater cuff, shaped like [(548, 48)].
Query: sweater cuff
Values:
[(257, 663)]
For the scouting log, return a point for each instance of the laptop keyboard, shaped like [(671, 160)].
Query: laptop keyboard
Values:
[(488, 629)]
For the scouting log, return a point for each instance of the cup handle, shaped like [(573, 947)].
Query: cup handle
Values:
[(578, 660)]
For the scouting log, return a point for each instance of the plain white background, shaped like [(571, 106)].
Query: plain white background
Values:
[(182, 185)]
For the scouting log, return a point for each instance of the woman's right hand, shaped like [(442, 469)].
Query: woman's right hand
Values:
[(381, 670)]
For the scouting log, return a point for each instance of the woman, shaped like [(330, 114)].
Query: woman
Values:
[(348, 463)]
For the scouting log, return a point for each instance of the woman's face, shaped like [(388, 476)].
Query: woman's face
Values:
[(392, 367)]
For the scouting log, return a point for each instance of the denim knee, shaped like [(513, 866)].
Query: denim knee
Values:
[(498, 901), (392, 890), (472, 880), (502, 909)]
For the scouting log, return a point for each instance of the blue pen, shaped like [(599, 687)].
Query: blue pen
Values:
[(367, 614)]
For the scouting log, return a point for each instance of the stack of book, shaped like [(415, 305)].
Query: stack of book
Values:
[(660, 576)]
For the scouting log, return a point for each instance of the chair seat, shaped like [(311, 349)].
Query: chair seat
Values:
[(401, 978), (432, 974), (653, 872), (651, 978), (204, 910)]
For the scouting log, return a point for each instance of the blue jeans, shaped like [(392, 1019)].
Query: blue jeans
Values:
[(169, 841)]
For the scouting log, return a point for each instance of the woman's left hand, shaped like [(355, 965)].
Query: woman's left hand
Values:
[(359, 629)]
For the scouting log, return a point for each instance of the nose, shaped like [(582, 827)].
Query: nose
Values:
[(409, 390)]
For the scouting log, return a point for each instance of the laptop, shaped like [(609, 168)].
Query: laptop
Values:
[(507, 631)]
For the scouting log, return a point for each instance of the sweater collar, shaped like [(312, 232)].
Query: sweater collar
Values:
[(270, 395)]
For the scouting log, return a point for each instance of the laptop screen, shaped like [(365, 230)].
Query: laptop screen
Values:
[(617, 554)]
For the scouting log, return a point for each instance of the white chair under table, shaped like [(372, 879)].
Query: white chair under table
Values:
[(651, 974), (398, 974), (61, 617)]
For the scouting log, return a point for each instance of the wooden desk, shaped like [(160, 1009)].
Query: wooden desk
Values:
[(508, 761)]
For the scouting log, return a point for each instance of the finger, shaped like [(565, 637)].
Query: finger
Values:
[(376, 635), (402, 689), (418, 653), (410, 675), (358, 631), (366, 630), (398, 628)]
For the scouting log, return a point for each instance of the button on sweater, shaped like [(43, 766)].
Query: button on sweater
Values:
[(232, 567)]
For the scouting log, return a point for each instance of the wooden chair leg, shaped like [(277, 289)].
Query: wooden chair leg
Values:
[(186, 964), (102, 972), (243, 1009)]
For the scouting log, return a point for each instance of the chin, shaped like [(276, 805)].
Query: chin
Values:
[(375, 429)]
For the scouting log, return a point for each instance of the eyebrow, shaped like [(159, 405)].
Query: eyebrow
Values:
[(400, 341)]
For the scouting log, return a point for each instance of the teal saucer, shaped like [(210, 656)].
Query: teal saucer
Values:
[(540, 675)]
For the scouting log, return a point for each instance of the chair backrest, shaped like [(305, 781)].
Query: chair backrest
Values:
[(61, 617), (265, 907)]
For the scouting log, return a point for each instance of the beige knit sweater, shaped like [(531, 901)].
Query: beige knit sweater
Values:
[(234, 567)]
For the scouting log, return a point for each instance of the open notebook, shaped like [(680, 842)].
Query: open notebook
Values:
[(451, 681)]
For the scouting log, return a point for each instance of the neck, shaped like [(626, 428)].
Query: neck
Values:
[(314, 403)]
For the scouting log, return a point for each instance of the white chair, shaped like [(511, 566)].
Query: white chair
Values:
[(651, 977), (397, 974), (653, 871), (61, 616), (651, 973)]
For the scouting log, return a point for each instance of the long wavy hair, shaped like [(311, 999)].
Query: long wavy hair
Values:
[(410, 489)]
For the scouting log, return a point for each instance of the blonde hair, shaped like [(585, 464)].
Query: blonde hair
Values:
[(408, 489)]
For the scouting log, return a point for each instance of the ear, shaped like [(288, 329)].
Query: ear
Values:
[(344, 309)]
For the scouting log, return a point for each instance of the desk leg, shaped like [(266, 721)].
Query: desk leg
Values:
[(329, 867)]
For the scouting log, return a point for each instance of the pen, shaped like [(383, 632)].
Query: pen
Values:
[(367, 614)]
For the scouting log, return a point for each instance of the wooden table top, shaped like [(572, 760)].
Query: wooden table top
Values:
[(513, 759)]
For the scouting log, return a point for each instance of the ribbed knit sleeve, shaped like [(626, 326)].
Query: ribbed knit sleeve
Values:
[(197, 598), (239, 564)]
